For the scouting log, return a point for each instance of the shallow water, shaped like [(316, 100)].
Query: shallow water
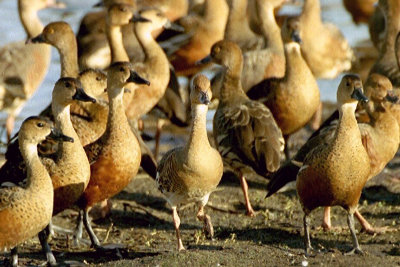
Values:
[(11, 30)]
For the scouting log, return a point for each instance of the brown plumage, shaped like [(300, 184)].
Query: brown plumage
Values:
[(293, 99), (334, 174), (115, 156), (387, 63), (360, 10), (22, 66), (245, 131), (191, 173), (26, 210)]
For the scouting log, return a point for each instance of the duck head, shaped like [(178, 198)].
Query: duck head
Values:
[(290, 31), (57, 34), (350, 90), (120, 14), (148, 20), (68, 89), (200, 93), (225, 53), (94, 82), (37, 129)]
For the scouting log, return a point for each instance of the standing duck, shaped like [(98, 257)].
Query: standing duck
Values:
[(334, 174), (115, 156), (23, 67), (246, 134), (324, 47), (293, 99), (26, 210), (192, 172)]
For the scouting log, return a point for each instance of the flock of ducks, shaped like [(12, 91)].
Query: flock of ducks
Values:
[(86, 146)]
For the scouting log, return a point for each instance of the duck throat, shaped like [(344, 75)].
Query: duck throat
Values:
[(152, 51), (347, 128), (63, 122), (216, 14), (36, 172), (311, 13), (114, 36), (68, 51), (116, 112), (269, 27), (232, 85), (198, 138), (30, 20)]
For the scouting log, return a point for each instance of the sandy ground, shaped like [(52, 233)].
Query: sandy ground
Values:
[(142, 221)]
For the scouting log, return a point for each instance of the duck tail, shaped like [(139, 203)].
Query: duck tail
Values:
[(287, 173)]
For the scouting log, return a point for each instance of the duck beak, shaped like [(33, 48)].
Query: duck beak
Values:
[(359, 95), (57, 135), (138, 18), (296, 37), (35, 40), (99, 4), (204, 99), (206, 60), (82, 96), (173, 26), (135, 78), (392, 98)]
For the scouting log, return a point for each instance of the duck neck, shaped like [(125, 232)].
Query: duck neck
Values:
[(237, 18), (295, 64), (198, 133), (30, 20), (311, 11), (216, 14), (152, 51), (232, 85), (36, 172), (347, 127), (68, 51), (116, 112), (269, 27), (118, 52), (393, 27)]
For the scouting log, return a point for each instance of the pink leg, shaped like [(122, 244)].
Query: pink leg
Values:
[(326, 223), (160, 124), (315, 121), (177, 222), (245, 187), (366, 226), (9, 126), (208, 228)]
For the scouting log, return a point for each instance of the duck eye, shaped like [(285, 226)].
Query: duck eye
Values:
[(98, 78), (159, 14), (67, 85), (40, 124), (121, 69), (347, 83)]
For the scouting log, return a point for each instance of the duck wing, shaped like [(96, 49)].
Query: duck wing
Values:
[(247, 134)]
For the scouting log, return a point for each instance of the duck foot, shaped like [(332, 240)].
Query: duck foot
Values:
[(208, 228), (245, 188), (354, 251), (311, 252), (368, 228), (114, 249)]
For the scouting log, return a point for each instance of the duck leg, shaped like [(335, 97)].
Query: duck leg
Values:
[(245, 188), (177, 222), (315, 121), (14, 257), (43, 238), (89, 229), (366, 226), (160, 124), (10, 126), (356, 247), (79, 228), (208, 227), (326, 223), (307, 241)]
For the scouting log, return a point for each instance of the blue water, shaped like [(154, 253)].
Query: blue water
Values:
[(11, 30)]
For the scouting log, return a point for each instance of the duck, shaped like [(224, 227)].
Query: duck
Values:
[(192, 172), (93, 48), (115, 157), (334, 174), (295, 98), (245, 131), (264, 63), (324, 48), (360, 10), (201, 33), (19, 81), (27, 210), (387, 63), (68, 167), (379, 136)]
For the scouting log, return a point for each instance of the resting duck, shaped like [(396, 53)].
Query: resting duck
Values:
[(26, 210), (293, 99), (115, 156), (324, 47), (190, 173), (23, 67), (334, 174), (68, 167), (379, 137), (245, 132)]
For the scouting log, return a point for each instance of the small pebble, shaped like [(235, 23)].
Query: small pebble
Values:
[(304, 263)]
